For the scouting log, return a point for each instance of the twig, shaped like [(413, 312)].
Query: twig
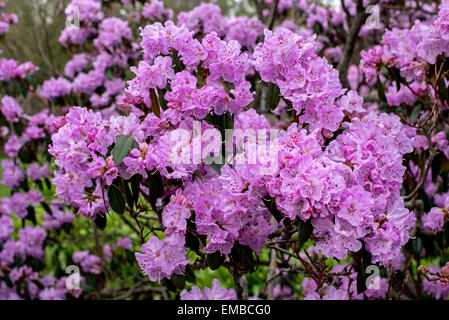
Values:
[(273, 15), (351, 40)]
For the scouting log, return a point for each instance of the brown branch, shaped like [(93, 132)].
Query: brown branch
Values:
[(351, 40), (273, 15)]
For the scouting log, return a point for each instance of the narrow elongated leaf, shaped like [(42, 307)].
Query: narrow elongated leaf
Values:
[(128, 194), (436, 168), (415, 114), (155, 107), (443, 90), (156, 185), (304, 232), (273, 96), (271, 206), (31, 215), (190, 275), (364, 260), (381, 91), (135, 187)]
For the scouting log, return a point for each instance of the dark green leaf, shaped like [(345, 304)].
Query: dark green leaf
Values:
[(135, 187), (192, 241), (31, 215), (443, 90), (381, 91), (304, 232), (270, 203), (116, 199), (273, 96), (46, 208), (128, 194), (178, 280), (436, 167), (215, 260), (156, 185), (155, 107), (317, 28), (17, 128), (169, 285), (190, 275), (100, 221), (362, 265)]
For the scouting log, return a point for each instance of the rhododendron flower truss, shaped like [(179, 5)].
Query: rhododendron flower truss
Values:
[(203, 155)]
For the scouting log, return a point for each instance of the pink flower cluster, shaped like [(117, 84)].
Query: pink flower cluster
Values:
[(309, 82), (6, 20), (11, 69)]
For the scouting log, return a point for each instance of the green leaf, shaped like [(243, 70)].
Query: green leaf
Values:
[(190, 275), (443, 90), (363, 261), (216, 167), (122, 148), (192, 240), (17, 128), (270, 203), (381, 91), (116, 199), (273, 96), (25, 155), (228, 87), (161, 94), (155, 107), (31, 215), (242, 257), (304, 232), (415, 114), (109, 74), (128, 194), (179, 281), (46, 208), (384, 71), (227, 121), (156, 184), (436, 168), (135, 187), (100, 221), (317, 28), (169, 285), (215, 260)]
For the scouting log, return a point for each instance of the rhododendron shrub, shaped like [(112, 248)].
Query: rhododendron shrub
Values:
[(219, 157)]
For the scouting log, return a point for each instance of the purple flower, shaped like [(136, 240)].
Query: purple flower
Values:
[(124, 243), (214, 293), (435, 219), (6, 227), (55, 88), (31, 241), (12, 175), (10, 109), (160, 258), (89, 262), (36, 172)]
